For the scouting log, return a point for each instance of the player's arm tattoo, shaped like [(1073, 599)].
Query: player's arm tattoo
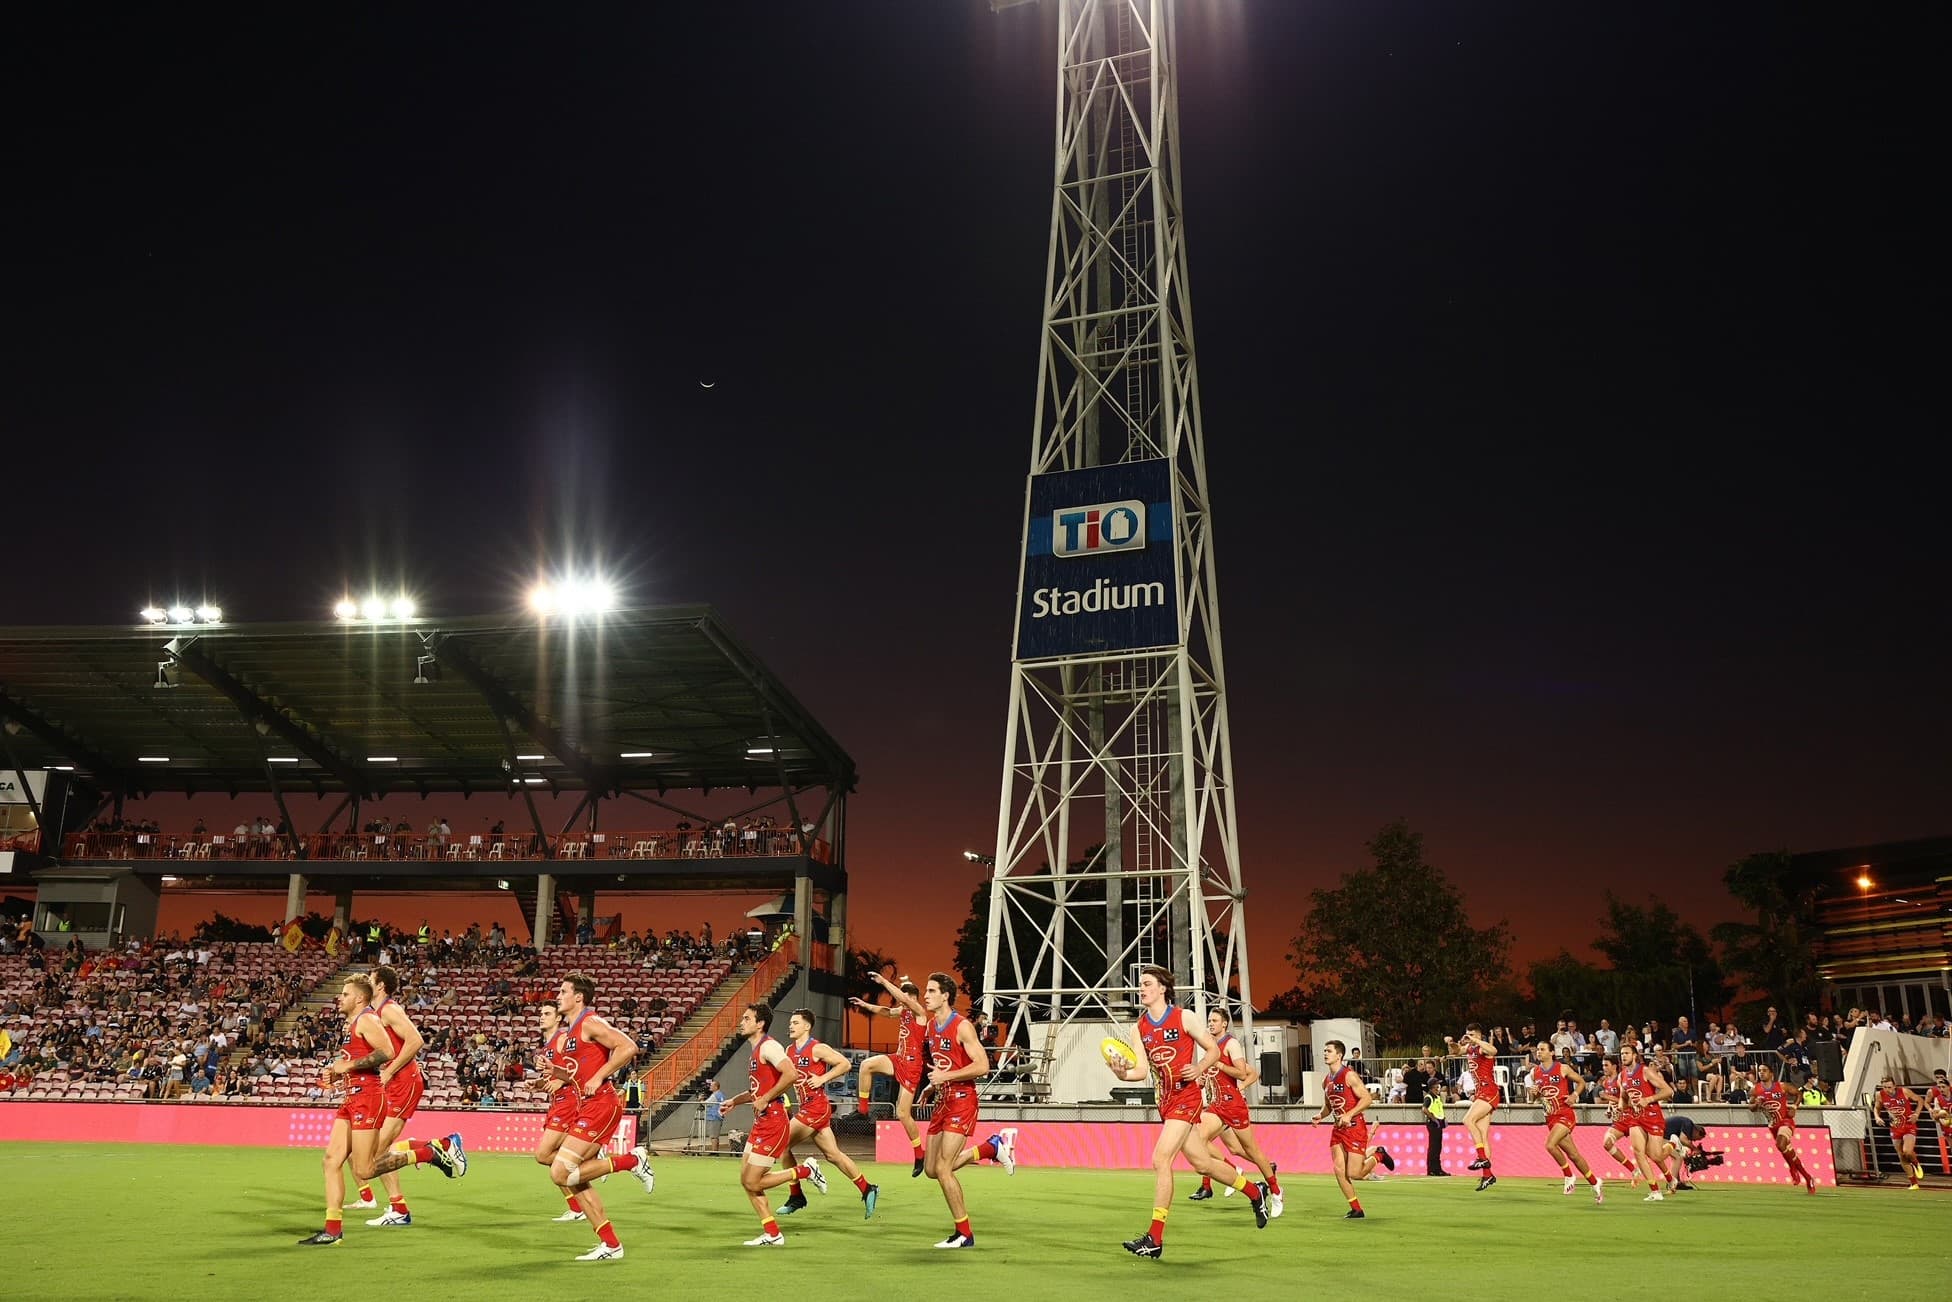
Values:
[(373, 1061)]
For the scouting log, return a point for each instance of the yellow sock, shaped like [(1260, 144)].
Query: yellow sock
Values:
[(1159, 1213), (1240, 1184)]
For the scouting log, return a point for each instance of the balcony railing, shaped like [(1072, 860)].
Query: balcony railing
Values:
[(406, 847)]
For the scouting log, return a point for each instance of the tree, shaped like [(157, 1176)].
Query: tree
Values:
[(1393, 944), (1662, 967), (1774, 957), (860, 962)]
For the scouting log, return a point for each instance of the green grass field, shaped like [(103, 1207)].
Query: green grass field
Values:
[(103, 1221)]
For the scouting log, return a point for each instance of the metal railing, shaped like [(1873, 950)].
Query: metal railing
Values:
[(484, 847)]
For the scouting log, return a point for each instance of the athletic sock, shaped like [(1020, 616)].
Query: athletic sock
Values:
[(962, 1228), (920, 1144), (365, 1193), (1158, 1230), (1482, 1155), (570, 1198), (1592, 1179), (769, 1226), (1206, 1184), (1355, 1204), (334, 1223), (800, 1172), (608, 1235), (400, 1205), (623, 1162), (986, 1151), (1242, 1186), (1274, 1184), (793, 1190), (423, 1154), (1565, 1168)]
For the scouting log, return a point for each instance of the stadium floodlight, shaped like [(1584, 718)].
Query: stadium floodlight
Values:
[(759, 751), (63, 768), (532, 758), (574, 597), (542, 600), (181, 614), (152, 759), (373, 608), (210, 614), (346, 608), (535, 782), (154, 614), (974, 857), (634, 754), (382, 759), (281, 759), (1863, 881), (404, 607)]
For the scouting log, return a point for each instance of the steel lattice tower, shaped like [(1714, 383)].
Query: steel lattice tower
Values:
[(1117, 734)]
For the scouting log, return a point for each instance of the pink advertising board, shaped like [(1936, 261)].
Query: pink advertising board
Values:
[(216, 1123)]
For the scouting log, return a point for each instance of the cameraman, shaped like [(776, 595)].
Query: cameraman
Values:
[(1686, 1140)]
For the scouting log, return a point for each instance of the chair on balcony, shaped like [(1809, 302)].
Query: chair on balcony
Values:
[(643, 849)]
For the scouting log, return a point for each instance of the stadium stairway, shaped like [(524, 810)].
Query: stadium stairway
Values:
[(726, 992)]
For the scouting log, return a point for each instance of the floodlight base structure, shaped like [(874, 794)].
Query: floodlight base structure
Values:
[(1116, 841)]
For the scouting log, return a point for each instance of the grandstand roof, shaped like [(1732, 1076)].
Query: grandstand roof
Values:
[(642, 700)]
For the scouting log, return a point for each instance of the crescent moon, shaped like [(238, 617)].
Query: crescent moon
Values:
[(708, 384)]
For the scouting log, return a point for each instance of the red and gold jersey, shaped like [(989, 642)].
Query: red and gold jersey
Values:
[(1221, 1089), (1483, 1067), (1898, 1106), (1555, 1089), (1939, 1099), (585, 1054), (1777, 1105), (558, 1056), (1635, 1092), (947, 1054), (395, 1039), (762, 1076), (1609, 1093), (357, 1047), (1343, 1089), (909, 1038), (813, 1098), (1169, 1048)]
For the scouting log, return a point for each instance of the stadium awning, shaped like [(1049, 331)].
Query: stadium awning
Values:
[(646, 700)]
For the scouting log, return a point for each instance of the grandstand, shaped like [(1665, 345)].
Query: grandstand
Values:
[(688, 765)]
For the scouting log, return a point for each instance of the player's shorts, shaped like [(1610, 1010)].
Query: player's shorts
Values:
[(1653, 1121), (817, 1116), (403, 1094), (770, 1134), (1232, 1113), (1786, 1128), (956, 1114), (1901, 1133), (908, 1074), (562, 1110), (1486, 1094), (1183, 1104), (1562, 1117), (1353, 1137), (1625, 1122), (365, 1104), (597, 1117)]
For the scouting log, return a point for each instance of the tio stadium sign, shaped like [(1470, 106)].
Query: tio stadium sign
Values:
[(1098, 562)]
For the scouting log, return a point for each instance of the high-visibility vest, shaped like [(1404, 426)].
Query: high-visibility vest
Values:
[(423, 933), (373, 934), (1435, 1104)]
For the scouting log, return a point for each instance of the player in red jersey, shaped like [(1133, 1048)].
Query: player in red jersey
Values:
[(813, 1115), (1641, 1120), (1939, 1101), (1778, 1106), (957, 1060), (1609, 1095), (1558, 1085), (1900, 1108), (1169, 1042), (1225, 1118), (591, 1052), (1344, 1099), (553, 1061), (1484, 1099), (403, 1083), (770, 1078), (356, 1128), (904, 1064)]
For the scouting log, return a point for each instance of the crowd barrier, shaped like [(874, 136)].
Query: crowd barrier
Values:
[(260, 1127), (1517, 1150)]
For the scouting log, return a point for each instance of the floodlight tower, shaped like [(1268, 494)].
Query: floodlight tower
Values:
[(1116, 841)]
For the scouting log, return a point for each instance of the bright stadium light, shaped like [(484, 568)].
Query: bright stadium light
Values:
[(345, 608), (532, 758), (281, 759), (382, 759), (404, 607), (211, 614), (154, 614), (374, 607), (542, 600), (574, 597), (180, 614), (152, 759), (634, 754)]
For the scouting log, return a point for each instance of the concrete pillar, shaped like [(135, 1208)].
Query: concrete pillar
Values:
[(803, 918), (342, 911), (545, 907), (295, 896), (837, 929)]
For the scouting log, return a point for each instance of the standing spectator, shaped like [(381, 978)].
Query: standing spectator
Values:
[(1773, 1034), (1420, 1087), (714, 1116)]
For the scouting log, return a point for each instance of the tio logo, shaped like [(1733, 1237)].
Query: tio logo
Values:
[(1095, 530)]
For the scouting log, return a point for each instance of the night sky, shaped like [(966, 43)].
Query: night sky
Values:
[(1564, 377)]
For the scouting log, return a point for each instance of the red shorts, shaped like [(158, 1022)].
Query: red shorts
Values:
[(956, 1114), (770, 1133), (1624, 1123), (1183, 1104), (1486, 1094), (597, 1117), (1353, 1137), (403, 1093), (817, 1117), (1901, 1133), (1653, 1121), (1232, 1113), (1787, 1128), (365, 1105), (908, 1074), (1563, 1117), (562, 1110)]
